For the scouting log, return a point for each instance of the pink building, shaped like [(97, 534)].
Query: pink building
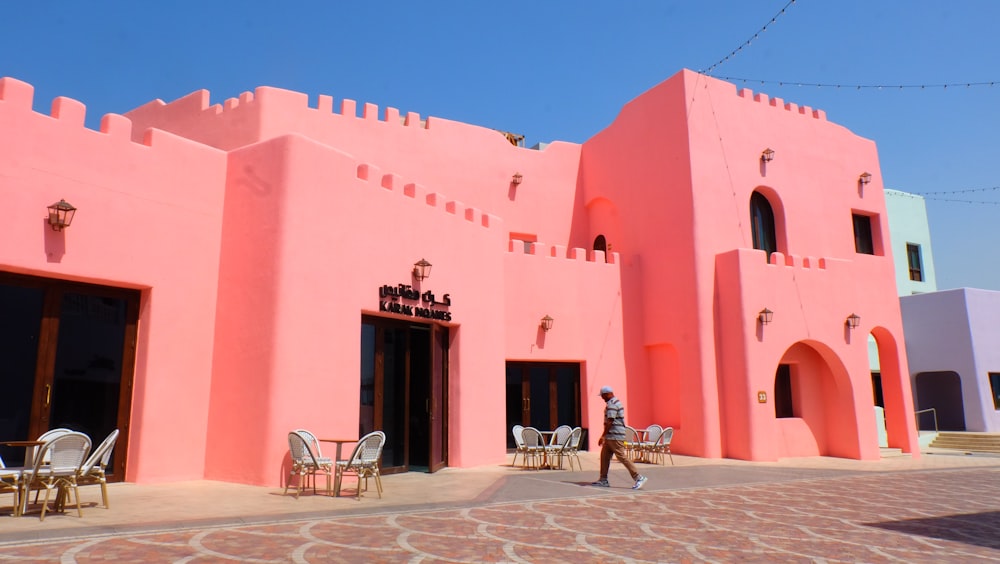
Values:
[(238, 270)]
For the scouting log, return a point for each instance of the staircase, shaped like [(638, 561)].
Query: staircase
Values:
[(969, 442)]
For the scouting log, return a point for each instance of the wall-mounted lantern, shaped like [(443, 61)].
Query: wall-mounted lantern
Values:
[(765, 316), (61, 215), (516, 179), (865, 178), (767, 155), (853, 321), (546, 323), (421, 269)]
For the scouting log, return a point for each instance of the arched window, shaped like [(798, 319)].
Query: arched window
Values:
[(601, 244), (762, 224)]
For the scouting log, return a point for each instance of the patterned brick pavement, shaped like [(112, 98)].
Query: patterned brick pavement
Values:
[(924, 516)]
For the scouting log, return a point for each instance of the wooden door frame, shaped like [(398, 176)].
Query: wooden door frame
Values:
[(553, 385), (438, 404), (48, 335)]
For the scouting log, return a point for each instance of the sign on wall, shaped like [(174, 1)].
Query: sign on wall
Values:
[(393, 299)]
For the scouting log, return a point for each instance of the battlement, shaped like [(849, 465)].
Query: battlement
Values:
[(762, 98), (371, 175), (561, 252), (268, 112), (806, 262), (18, 97), (198, 103)]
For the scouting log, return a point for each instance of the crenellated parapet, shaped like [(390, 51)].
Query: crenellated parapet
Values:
[(16, 103), (796, 261), (517, 246), (778, 103), (270, 112), (372, 176), (198, 104)]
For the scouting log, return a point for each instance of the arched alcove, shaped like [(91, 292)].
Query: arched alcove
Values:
[(814, 404)]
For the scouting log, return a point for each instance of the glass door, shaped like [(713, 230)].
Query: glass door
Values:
[(404, 370), (67, 353), (543, 395)]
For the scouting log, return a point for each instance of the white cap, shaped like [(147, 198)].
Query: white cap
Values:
[(607, 390)]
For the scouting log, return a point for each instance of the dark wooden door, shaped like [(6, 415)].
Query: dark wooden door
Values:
[(67, 356)]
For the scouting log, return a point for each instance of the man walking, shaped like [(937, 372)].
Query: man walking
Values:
[(612, 441)]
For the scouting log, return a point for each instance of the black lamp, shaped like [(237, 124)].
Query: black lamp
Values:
[(421, 269), (61, 215), (853, 321)]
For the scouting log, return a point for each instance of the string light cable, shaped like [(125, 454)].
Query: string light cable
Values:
[(734, 52), (943, 86), (945, 195), (747, 43)]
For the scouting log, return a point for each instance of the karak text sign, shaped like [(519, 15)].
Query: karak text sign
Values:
[(392, 298)]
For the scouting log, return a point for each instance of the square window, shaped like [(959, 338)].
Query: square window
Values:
[(863, 242)]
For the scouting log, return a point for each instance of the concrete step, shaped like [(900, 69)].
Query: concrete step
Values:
[(892, 452), (968, 441)]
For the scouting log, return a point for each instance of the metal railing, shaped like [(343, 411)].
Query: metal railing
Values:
[(930, 409)]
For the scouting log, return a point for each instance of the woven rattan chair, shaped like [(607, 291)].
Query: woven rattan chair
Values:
[(29, 455), (363, 463), (534, 447), (567, 449), (560, 435), (518, 444), (305, 465), (648, 444), (93, 469), (10, 482), (633, 442), (65, 455), (663, 446), (313, 443)]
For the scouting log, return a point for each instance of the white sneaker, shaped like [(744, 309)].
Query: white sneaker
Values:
[(639, 483)]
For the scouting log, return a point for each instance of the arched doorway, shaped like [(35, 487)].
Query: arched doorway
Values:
[(942, 392), (601, 244), (814, 411)]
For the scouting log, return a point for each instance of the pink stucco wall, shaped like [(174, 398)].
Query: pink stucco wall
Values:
[(261, 229), (681, 163), (143, 222)]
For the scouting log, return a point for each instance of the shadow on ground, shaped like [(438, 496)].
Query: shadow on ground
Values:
[(980, 529)]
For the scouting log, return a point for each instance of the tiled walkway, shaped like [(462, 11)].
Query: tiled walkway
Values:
[(695, 513)]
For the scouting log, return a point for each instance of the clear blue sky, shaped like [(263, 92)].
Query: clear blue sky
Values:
[(561, 70)]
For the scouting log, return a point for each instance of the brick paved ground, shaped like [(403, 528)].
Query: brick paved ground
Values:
[(938, 515)]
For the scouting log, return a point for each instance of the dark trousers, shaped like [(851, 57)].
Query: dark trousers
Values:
[(617, 448)]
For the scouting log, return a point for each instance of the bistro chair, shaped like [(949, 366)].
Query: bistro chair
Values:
[(534, 447), (65, 455), (363, 463), (94, 468), (313, 443), (305, 464), (560, 435), (633, 442), (518, 444), (575, 439), (649, 441), (10, 482), (663, 446), (565, 449), (29, 453), (46, 436)]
